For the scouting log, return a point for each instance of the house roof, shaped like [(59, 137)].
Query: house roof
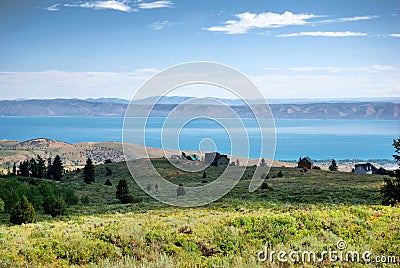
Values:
[(308, 159), (366, 166)]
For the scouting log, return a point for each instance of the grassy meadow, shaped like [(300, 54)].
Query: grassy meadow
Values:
[(300, 211)]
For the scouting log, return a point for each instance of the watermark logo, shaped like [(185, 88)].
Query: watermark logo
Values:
[(340, 254), (140, 115)]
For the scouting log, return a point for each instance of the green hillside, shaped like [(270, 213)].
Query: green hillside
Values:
[(300, 211)]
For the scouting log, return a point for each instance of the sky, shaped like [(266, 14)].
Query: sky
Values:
[(288, 48)]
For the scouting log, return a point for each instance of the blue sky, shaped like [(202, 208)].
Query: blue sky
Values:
[(290, 49)]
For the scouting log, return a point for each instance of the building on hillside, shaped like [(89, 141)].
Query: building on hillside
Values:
[(305, 162), (366, 168), (216, 159)]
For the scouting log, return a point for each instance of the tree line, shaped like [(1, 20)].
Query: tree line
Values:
[(36, 168)]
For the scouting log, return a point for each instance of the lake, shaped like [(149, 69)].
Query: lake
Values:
[(319, 139)]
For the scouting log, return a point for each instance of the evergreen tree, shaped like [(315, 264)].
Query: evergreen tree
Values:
[(333, 166), (23, 212), (57, 168), (122, 189), (204, 175), (40, 167), (390, 190), (108, 182), (49, 169), (24, 168), (33, 168), (262, 163), (14, 172), (89, 172)]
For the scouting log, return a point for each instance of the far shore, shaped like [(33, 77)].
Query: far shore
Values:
[(74, 155)]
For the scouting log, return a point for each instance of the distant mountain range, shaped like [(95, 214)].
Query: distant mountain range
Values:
[(385, 110)]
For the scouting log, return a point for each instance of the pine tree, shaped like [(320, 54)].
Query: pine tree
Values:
[(33, 168), (89, 172), (57, 168), (122, 189), (24, 168), (23, 212), (40, 167), (333, 166), (204, 175), (263, 163), (49, 169), (390, 190), (14, 172)]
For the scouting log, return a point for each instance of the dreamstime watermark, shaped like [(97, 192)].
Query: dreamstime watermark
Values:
[(341, 254), (139, 116)]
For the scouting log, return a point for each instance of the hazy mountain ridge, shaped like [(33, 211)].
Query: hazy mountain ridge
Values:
[(77, 107)]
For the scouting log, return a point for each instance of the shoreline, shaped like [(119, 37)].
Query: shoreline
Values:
[(74, 154)]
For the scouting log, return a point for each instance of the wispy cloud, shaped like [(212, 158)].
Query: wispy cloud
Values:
[(335, 69), (160, 25), (55, 7), (395, 35), (64, 84), (355, 18), (326, 34), (156, 4), (247, 21), (119, 5), (112, 4)]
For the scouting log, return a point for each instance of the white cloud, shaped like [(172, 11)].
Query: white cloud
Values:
[(62, 84), (393, 91), (378, 67), (156, 4), (355, 18), (326, 34), (160, 25), (335, 69), (327, 85), (146, 70), (247, 21), (119, 5), (314, 69), (395, 35), (112, 4), (55, 7), (290, 82)]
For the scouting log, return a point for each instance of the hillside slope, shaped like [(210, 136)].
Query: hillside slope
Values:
[(299, 211), (75, 107)]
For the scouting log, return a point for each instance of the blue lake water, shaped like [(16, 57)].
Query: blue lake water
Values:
[(319, 139)]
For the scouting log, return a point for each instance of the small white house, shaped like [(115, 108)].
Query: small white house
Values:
[(367, 168)]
